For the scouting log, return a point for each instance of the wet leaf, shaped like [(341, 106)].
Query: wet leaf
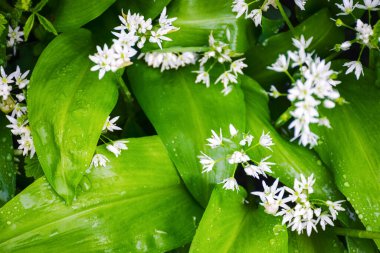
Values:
[(128, 206), (7, 166), (183, 114), (229, 225), (68, 106)]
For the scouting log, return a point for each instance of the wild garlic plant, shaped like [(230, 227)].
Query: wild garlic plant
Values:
[(14, 37), (366, 36), (132, 34), (241, 143), (313, 85), (241, 7), (299, 211), (13, 103)]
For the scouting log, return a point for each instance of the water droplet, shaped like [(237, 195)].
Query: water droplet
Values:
[(346, 184), (9, 223), (360, 216)]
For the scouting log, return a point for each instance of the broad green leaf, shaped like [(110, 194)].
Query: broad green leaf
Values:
[(290, 158), (7, 167), (147, 8), (48, 26), (137, 203), (33, 168), (72, 14), (351, 147), (67, 107), (28, 26), (323, 241), (319, 26), (355, 245), (230, 225), (183, 114), (3, 38), (197, 18)]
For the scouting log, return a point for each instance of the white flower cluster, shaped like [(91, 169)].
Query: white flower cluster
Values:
[(241, 7), (364, 32), (167, 61), (14, 37), (298, 211), (99, 160), (221, 53), (133, 32), (241, 143), (16, 82), (314, 87)]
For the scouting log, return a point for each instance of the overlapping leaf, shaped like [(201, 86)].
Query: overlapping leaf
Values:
[(183, 113), (230, 225), (136, 204), (351, 147), (72, 14), (68, 106), (7, 167)]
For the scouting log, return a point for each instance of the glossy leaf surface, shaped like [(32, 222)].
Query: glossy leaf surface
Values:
[(128, 206), (183, 114), (68, 106)]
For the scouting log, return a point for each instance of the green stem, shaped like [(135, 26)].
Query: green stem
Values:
[(332, 56), (180, 50), (285, 17), (285, 117), (290, 76), (125, 91), (357, 233)]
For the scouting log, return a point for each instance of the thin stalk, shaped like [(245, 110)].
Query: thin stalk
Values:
[(285, 17), (357, 233), (180, 49), (285, 117), (125, 91)]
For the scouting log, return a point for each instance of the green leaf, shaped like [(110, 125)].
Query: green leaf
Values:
[(323, 241), (67, 107), (46, 24), (147, 8), (355, 245), (290, 158), (33, 168), (376, 35), (197, 18), (28, 26), (183, 114), (71, 14), (23, 4), (319, 26), (3, 39), (7, 167), (40, 5), (229, 225), (351, 147), (128, 206)]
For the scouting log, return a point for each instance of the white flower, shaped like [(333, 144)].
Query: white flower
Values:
[(227, 89), (240, 7), (239, 157), (26, 144), (116, 147), (266, 140), (110, 124), (166, 23), (99, 160), (325, 219), (122, 56), (264, 167), (20, 78), (370, 5), (103, 59), (230, 184), (20, 97), (347, 7), (364, 32), (207, 162), (158, 36), (281, 64), (300, 4), (301, 91), (18, 110), (226, 78), (355, 66), (305, 184), (237, 66), (247, 140), (274, 92), (302, 44), (215, 140), (203, 77), (324, 122), (345, 45), (256, 15), (14, 36), (233, 130), (334, 207)]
